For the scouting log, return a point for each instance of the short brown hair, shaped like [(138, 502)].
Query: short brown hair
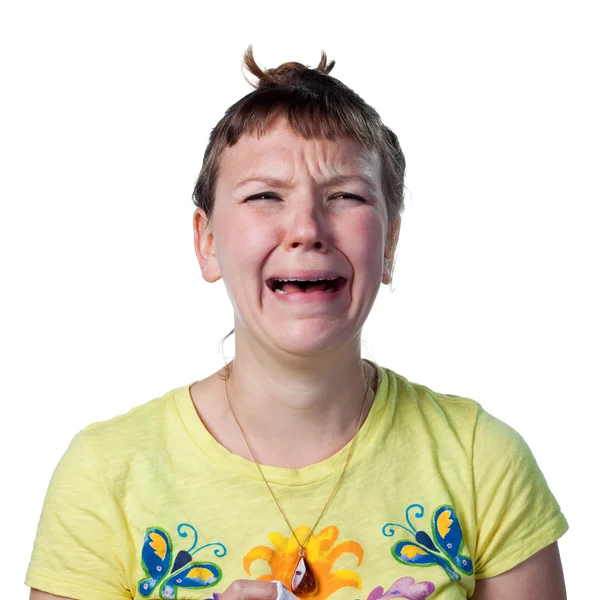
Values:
[(316, 105)]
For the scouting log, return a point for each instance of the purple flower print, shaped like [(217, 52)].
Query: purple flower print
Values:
[(404, 588)]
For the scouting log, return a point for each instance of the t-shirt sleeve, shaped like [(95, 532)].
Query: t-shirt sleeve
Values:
[(517, 514), (75, 553)]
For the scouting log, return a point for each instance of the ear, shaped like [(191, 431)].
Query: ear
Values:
[(390, 251), (204, 245)]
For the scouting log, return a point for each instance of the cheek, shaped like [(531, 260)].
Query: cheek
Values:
[(252, 238), (243, 246), (365, 240)]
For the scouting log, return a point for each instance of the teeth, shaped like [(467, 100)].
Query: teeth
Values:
[(279, 282), (318, 279)]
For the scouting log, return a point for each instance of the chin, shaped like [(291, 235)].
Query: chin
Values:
[(307, 343)]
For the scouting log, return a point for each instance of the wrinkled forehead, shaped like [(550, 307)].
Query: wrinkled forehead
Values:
[(282, 152)]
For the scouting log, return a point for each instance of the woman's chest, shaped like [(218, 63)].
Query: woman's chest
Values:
[(377, 540)]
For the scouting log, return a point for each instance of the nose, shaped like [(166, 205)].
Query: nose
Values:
[(307, 227)]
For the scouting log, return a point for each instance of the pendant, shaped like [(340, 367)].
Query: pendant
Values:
[(303, 581)]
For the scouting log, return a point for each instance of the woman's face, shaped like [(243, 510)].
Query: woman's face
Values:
[(290, 208)]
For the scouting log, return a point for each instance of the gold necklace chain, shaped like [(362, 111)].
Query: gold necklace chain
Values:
[(337, 485)]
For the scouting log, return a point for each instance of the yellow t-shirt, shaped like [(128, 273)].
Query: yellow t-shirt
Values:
[(438, 493)]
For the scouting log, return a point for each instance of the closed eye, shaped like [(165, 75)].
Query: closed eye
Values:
[(264, 196), (351, 196), (273, 196)]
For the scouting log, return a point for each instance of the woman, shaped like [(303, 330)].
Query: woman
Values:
[(299, 464)]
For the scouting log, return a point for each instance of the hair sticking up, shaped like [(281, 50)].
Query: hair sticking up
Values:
[(284, 74)]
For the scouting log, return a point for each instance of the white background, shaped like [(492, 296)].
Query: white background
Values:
[(106, 110)]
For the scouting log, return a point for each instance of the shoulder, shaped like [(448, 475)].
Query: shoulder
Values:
[(426, 398), (412, 400), (449, 414), (137, 436), (149, 413)]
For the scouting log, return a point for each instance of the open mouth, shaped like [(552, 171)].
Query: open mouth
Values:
[(307, 286)]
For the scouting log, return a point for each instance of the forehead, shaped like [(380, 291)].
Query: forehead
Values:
[(284, 153)]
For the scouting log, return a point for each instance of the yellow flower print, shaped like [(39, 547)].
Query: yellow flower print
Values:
[(321, 552)]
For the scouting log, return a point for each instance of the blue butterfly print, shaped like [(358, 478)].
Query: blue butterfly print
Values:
[(445, 551), (183, 572)]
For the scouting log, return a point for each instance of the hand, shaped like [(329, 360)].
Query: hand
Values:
[(250, 589)]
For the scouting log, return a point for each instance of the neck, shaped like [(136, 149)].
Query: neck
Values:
[(298, 412)]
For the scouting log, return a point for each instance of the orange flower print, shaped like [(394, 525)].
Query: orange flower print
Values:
[(321, 552)]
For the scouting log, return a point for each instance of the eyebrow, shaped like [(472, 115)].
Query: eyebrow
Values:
[(283, 183)]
